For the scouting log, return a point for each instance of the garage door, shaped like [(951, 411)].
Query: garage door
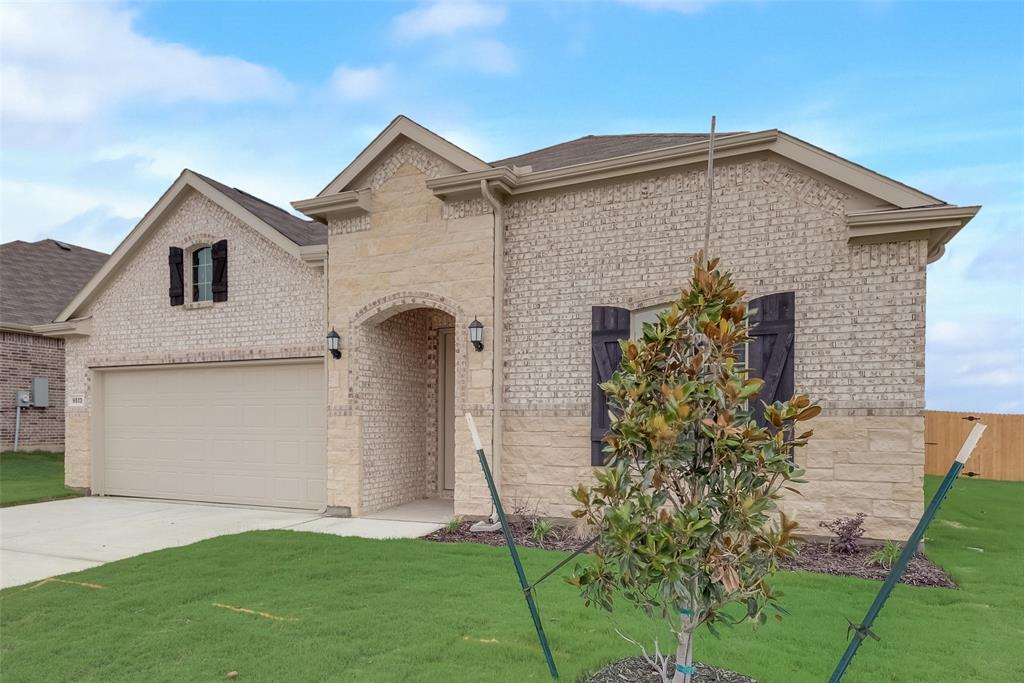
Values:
[(231, 433)]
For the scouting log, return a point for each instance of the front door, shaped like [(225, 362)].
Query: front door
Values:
[(446, 410)]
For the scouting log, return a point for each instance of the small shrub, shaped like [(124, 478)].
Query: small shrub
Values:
[(541, 529), (453, 524), (524, 508), (884, 556), (847, 531)]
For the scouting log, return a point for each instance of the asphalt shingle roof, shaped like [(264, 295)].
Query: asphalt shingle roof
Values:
[(302, 232), (38, 279), (599, 147)]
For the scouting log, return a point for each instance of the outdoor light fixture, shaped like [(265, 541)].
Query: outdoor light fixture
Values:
[(334, 343), (476, 334)]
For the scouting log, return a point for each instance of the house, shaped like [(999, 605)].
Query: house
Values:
[(37, 280), (198, 364)]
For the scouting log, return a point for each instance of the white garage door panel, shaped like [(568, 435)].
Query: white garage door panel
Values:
[(244, 433)]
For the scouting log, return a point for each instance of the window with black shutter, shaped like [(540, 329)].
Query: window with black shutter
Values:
[(770, 353), (176, 290), (608, 325), (219, 284)]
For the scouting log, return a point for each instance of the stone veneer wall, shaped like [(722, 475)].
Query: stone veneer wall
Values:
[(275, 309), (411, 252), (22, 357), (859, 330)]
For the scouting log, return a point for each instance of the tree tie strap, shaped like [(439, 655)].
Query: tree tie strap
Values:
[(861, 630), (686, 668)]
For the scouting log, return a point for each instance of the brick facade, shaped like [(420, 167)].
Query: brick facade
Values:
[(859, 345), (275, 309), (22, 357)]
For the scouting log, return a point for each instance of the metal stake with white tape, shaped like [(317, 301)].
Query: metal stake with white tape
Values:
[(527, 588), (863, 629)]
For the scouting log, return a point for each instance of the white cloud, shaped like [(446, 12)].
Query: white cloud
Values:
[(99, 228), (976, 362), (445, 18), (486, 56), (359, 84), (30, 209), (63, 63)]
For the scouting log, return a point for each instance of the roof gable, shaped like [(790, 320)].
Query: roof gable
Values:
[(263, 218), (403, 127)]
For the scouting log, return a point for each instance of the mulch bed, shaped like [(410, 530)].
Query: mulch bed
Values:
[(561, 537), (636, 670), (813, 556)]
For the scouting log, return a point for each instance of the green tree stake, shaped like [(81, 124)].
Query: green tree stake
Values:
[(863, 630), (527, 589)]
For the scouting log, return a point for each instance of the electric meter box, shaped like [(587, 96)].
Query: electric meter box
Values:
[(41, 392)]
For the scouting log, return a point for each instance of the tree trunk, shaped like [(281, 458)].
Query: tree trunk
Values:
[(684, 650)]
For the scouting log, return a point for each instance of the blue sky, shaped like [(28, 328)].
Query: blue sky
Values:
[(104, 104)]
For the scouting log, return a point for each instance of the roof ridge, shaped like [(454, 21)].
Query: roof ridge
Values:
[(644, 135), (599, 146), (54, 239)]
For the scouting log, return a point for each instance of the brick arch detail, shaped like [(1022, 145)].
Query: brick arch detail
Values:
[(381, 309)]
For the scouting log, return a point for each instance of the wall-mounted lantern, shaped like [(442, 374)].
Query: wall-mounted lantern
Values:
[(476, 334), (334, 343)]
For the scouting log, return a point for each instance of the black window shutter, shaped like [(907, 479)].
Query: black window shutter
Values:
[(771, 351), (220, 270), (608, 325), (177, 283)]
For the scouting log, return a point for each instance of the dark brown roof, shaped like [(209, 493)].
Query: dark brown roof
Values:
[(38, 279), (302, 232), (599, 147)]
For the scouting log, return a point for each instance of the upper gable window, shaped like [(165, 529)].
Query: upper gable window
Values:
[(202, 274)]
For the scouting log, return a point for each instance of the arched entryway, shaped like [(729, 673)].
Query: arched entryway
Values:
[(405, 384)]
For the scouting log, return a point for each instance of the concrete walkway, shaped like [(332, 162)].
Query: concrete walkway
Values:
[(46, 539)]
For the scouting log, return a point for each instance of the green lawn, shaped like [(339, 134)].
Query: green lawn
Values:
[(418, 611), (30, 477)]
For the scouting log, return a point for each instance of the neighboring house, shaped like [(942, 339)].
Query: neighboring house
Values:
[(197, 361), (37, 280)]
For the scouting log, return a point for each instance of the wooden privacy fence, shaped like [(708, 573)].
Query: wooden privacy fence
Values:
[(999, 455)]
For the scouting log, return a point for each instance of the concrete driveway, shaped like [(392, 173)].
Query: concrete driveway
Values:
[(46, 539)]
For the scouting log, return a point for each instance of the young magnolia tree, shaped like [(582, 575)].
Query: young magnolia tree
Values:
[(685, 507)]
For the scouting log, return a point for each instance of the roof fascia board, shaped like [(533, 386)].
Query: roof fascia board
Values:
[(854, 175), (340, 205), (314, 254), (644, 162), (503, 178), (403, 126), (168, 200), (17, 327), (937, 224), (81, 327), (890, 191)]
